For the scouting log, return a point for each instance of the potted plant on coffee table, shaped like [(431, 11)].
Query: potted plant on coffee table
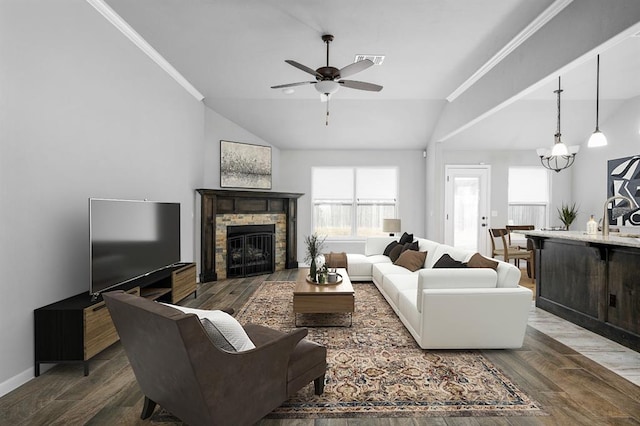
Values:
[(315, 245)]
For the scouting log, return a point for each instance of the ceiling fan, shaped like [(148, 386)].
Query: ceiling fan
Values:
[(329, 79)]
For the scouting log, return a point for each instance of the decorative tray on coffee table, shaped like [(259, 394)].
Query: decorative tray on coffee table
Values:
[(338, 281)]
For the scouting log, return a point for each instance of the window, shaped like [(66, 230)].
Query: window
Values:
[(528, 196), (349, 201)]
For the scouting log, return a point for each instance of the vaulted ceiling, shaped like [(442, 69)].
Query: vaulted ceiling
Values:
[(232, 51)]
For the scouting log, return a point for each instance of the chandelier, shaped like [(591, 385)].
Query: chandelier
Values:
[(559, 157)]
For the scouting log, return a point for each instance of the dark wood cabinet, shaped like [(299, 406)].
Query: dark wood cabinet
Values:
[(623, 296), (78, 328), (591, 283), (582, 267)]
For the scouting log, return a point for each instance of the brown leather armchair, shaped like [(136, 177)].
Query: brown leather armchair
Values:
[(178, 367)]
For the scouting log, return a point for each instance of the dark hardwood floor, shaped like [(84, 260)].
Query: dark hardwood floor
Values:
[(572, 389)]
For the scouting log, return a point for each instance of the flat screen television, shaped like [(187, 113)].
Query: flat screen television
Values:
[(130, 239)]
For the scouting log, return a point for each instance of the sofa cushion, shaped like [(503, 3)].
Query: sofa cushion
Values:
[(358, 265), (457, 278), (411, 259), (393, 284), (381, 270), (406, 238), (388, 249), (479, 261), (430, 247), (508, 275), (394, 254), (225, 324), (447, 261)]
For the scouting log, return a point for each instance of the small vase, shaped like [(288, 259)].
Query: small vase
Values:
[(313, 270)]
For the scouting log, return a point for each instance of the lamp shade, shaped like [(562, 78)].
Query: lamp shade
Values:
[(597, 139), (327, 87), (391, 225), (559, 148)]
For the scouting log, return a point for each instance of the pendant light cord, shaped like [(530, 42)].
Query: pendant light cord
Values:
[(558, 134), (597, 92)]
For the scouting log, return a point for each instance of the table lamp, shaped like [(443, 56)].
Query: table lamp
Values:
[(391, 226)]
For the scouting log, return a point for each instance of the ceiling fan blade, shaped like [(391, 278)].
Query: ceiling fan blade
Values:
[(360, 85), (302, 83), (303, 68), (351, 69)]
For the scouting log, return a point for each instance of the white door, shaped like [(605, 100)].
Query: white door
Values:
[(466, 203)]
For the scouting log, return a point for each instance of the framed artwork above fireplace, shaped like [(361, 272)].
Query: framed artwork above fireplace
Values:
[(244, 165)]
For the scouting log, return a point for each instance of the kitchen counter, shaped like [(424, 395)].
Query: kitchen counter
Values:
[(590, 280), (613, 239)]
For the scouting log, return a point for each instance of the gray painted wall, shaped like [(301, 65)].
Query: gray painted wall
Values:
[(622, 129), (295, 176), (219, 128), (500, 161), (84, 114)]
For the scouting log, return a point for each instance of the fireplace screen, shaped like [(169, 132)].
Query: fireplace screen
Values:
[(250, 250)]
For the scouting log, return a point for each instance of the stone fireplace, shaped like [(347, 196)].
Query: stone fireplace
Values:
[(250, 250), (223, 209)]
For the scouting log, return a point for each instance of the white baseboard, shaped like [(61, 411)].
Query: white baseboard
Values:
[(16, 381)]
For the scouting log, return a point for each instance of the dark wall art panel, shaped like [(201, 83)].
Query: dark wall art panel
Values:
[(623, 178)]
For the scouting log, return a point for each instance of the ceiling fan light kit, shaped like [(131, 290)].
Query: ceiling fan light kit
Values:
[(329, 79), (327, 87), (560, 156)]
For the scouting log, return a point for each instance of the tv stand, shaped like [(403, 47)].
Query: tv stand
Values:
[(79, 327)]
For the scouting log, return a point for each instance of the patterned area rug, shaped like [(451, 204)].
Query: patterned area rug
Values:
[(376, 369)]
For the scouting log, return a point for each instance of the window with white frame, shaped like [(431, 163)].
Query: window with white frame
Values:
[(529, 189), (352, 201)]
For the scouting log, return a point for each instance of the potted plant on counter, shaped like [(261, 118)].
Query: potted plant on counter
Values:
[(567, 214), (315, 245)]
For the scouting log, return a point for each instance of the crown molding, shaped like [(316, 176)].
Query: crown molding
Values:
[(522, 36), (126, 29)]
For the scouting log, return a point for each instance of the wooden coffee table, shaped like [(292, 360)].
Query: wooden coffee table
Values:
[(309, 298)]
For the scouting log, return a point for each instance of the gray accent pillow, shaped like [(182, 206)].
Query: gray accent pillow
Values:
[(216, 336)]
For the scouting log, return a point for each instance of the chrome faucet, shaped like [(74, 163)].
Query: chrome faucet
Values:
[(605, 217)]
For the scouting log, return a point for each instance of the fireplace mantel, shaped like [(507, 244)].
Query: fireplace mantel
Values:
[(221, 201)]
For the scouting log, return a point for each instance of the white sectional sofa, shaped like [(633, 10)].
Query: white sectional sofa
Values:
[(448, 308)]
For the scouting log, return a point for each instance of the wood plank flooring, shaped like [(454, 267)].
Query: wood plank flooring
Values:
[(573, 389)]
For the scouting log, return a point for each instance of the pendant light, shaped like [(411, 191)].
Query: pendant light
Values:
[(559, 157), (597, 138)]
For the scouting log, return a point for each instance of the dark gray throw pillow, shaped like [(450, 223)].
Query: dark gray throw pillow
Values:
[(390, 247), (394, 254), (410, 246), (406, 238), (447, 261)]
